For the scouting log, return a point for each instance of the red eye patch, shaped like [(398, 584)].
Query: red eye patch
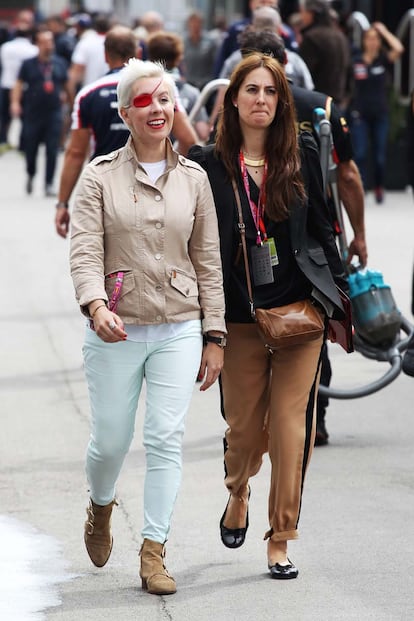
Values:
[(142, 101), (145, 99)]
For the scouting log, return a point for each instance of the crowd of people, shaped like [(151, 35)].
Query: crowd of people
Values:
[(179, 229), (319, 56)]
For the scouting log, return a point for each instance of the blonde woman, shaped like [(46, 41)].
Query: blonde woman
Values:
[(146, 267)]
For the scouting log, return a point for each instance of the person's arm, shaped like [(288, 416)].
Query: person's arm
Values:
[(204, 251), (221, 91), (396, 48), (75, 155), (68, 95), (16, 99), (351, 192), (350, 188), (87, 257), (183, 132), (203, 130), (76, 75)]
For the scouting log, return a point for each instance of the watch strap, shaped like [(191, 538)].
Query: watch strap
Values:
[(218, 340)]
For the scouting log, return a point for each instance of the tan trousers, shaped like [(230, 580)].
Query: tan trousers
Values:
[(269, 405)]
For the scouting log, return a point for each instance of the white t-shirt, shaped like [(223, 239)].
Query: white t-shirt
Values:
[(12, 54), (90, 52), (154, 169)]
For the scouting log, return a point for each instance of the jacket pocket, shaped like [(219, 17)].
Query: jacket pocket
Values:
[(184, 283), (318, 256)]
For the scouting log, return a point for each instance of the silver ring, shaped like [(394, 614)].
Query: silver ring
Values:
[(112, 325)]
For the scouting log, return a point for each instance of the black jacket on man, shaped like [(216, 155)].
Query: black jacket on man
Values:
[(326, 51)]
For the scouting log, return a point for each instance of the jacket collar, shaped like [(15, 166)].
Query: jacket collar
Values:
[(172, 156)]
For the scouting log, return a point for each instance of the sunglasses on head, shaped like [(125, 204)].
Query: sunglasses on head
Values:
[(145, 99)]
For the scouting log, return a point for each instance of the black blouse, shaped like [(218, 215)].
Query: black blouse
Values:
[(289, 285), (308, 256)]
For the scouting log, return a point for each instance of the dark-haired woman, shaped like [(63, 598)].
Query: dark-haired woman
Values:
[(369, 112), (268, 399)]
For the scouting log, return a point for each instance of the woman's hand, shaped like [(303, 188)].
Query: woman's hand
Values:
[(380, 28), (108, 325), (211, 364), (393, 42)]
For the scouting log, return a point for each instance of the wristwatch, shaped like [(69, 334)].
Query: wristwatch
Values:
[(221, 341)]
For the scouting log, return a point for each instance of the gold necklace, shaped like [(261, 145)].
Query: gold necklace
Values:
[(256, 163)]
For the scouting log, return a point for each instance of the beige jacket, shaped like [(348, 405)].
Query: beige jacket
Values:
[(164, 237)]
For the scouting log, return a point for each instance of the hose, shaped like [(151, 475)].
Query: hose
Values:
[(391, 355)]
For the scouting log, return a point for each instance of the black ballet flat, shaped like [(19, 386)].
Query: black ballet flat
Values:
[(283, 572), (233, 537)]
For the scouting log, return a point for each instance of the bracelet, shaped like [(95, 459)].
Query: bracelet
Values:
[(97, 308), (62, 204)]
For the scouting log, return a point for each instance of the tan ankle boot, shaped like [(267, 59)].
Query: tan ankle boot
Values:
[(154, 575), (98, 537)]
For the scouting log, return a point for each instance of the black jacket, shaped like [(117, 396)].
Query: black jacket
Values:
[(312, 240), (326, 51)]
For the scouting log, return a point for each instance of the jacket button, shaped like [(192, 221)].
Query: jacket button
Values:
[(157, 197), (158, 317), (158, 256), (158, 225), (158, 288), (296, 251)]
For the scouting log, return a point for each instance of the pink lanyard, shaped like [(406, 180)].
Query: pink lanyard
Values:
[(257, 211), (116, 293)]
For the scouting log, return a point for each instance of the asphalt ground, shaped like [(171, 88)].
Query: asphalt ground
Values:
[(356, 548)]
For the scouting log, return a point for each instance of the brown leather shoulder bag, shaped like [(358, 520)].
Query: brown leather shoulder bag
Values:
[(282, 326)]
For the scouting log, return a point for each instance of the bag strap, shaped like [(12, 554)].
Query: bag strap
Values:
[(242, 229)]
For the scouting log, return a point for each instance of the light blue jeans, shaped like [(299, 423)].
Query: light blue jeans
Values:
[(114, 373)]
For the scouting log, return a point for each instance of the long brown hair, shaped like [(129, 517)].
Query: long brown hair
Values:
[(284, 181)]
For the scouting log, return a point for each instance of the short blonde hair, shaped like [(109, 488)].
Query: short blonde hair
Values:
[(136, 69)]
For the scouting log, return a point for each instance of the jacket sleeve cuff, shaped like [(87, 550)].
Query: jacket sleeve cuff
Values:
[(85, 299), (213, 324)]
